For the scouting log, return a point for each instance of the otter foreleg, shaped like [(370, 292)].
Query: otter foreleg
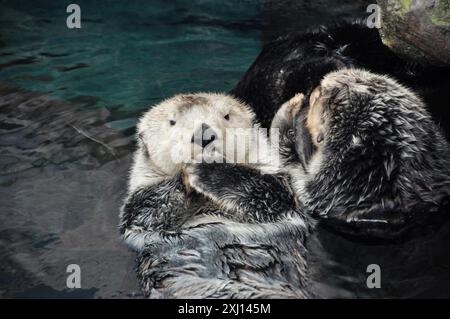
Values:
[(158, 207), (245, 193)]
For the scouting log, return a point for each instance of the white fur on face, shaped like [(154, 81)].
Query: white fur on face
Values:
[(165, 134)]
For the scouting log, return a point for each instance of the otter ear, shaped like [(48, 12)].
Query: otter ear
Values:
[(142, 144)]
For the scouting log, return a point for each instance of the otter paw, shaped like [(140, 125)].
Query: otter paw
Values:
[(287, 111), (294, 105), (190, 178), (185, 179)]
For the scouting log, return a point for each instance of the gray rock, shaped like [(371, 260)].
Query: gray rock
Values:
[(417, 29)]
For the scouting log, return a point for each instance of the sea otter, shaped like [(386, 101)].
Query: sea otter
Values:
[(365, 155), (211, 230)]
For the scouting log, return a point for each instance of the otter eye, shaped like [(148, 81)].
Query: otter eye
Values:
[(320, 138), (172, 122), (227, 117), (291, 133)]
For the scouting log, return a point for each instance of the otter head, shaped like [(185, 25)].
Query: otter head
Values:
[(370, 155), (190, 128)]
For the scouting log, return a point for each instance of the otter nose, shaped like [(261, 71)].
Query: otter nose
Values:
[(203, 136)]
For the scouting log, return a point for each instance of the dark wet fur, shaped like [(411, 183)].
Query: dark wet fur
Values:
[(297, 62), (250, 259)]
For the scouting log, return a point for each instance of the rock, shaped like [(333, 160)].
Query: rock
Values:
[(417, 29)]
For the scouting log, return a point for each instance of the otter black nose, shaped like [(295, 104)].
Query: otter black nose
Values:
[(204, 135)]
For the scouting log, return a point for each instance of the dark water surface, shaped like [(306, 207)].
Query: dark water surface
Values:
[(69, 100)]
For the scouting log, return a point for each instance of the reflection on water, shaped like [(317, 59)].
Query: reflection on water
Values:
[(128, 55), (69, 100), (417, 268), (63, 175)]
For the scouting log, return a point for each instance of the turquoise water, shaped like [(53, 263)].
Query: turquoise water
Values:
[(128, 57)]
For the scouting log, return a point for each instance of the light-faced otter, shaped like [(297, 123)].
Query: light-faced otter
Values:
[(364, 153), (210, 230)]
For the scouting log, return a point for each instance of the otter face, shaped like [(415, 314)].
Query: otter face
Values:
[(189, 128)]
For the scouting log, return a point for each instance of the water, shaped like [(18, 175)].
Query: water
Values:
[(128, 57), (69, 100)]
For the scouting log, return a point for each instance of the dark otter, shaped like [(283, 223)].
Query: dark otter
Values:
[(365, 154)]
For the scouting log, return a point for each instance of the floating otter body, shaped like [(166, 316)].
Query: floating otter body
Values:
[(210, 230)]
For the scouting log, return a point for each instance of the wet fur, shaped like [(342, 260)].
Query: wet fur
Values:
[(213, 230), (297, 62), (383, 165)]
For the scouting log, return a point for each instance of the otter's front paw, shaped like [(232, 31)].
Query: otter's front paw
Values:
[(287, 112), (195, 176), (190, 177), (295, 104), (185, 179)]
